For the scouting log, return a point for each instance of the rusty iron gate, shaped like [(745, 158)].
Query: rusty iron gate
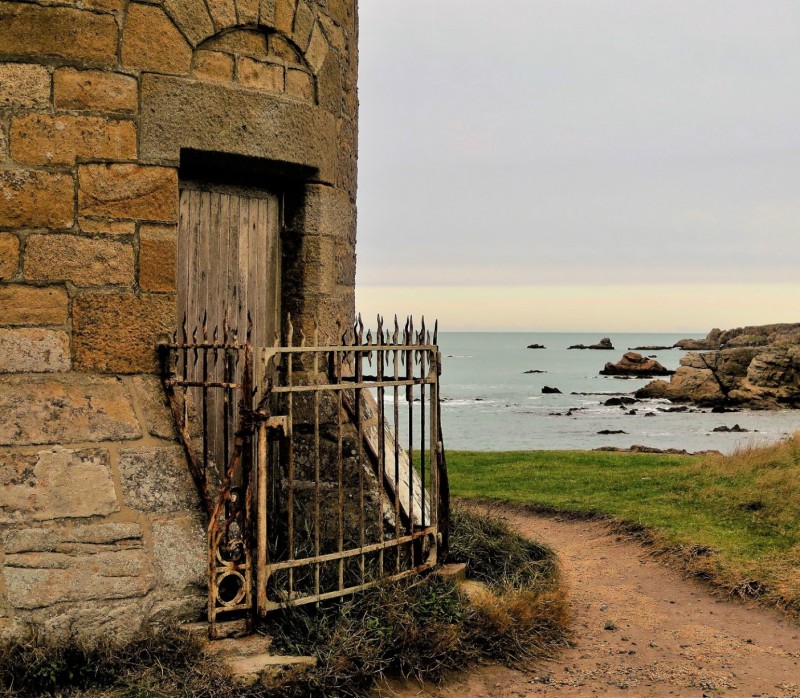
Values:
[(333, 475)]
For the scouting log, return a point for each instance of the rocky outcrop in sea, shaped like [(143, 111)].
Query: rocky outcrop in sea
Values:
[(756, 367), (603, 344), (633, 364)]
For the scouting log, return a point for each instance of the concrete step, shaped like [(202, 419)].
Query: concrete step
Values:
[(247, 657)]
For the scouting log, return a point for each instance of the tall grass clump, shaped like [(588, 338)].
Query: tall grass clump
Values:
[(759, 486), (421, 627)]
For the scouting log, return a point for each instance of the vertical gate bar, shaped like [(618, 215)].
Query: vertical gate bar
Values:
[(359, 357), (225, 394), (205, 399), (316, 463), (422, 374), (246, 444), (339, 358), (435, 445), (409, 334), (379, 356), (396, 409), (290, 472), (185, 391), (261, 517)]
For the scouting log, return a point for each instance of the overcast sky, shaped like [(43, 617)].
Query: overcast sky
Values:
[(523, 154)]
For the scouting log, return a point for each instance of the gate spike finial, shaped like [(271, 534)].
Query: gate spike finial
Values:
[(249, 327), (289, 330), (205, 325), (185, 328), (436, 331)]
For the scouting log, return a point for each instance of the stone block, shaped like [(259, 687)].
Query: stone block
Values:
[(158, 249), (179, 113), (300, 84), (318, 264), (9, 255), (117, 333), (42, 139), (317, 49), (150, 41), (248, 11), (33, 349), (334, 33), (24, 86), (263, 76), (36, 199), (330, 85), (192, 17), (246, 41), (153, 403), (223, 13), (341, 11), (179, 551), (101, 226), (266, 12), (120, 620), (324, 210), (303, 24), (281, 49), (32, 305), (157, 480), (59, 32), (94, 90), (56, 484), (128, 192), (100, 561), (83, 261), (284, 16), (213, 65), (65, 408)]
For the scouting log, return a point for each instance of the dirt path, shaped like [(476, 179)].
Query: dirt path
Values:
[(640, 630)]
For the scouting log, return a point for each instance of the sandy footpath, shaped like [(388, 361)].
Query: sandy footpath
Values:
[(640, 630)]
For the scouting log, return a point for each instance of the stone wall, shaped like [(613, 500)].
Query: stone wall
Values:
[(99, 102)]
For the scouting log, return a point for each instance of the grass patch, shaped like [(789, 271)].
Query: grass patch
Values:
[(733, 520), (421, 627)]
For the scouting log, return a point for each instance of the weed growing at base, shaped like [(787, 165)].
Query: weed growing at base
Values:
[(420, 627), (732, 520)]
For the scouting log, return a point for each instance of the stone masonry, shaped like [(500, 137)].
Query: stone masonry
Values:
[(100, 525)]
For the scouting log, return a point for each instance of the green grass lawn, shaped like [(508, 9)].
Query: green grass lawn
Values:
[(745, 508)]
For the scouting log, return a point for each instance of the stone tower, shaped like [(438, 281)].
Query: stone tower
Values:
[(128, 129)]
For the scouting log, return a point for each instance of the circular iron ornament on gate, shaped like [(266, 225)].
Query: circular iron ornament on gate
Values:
[(231, 588)]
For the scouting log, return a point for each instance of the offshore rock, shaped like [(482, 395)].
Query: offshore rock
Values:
[(604, 344), (634, 364)]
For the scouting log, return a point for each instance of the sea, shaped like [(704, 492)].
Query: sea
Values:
[(490, 403)]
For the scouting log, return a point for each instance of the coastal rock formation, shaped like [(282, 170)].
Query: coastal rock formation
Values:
[(754, 377), (604, 344), (537, 346), (749, 336), (547, 390), (651, 347), (633, 364)]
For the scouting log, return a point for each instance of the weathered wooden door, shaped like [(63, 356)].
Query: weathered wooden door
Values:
[(229, 260), (229, 270)]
